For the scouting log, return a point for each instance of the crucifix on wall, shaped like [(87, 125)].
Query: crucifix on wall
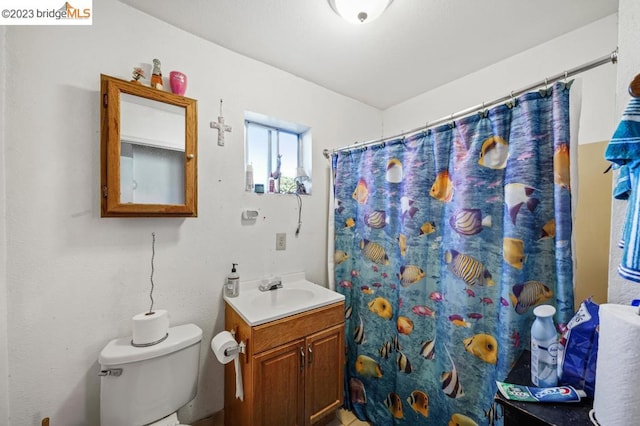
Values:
[(220, 126)]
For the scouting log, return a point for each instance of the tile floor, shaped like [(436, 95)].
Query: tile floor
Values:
[(344, 418)]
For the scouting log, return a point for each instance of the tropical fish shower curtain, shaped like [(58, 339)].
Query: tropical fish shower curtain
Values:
[(444, 243)]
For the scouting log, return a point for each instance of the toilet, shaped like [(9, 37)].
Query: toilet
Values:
[(147, 385)]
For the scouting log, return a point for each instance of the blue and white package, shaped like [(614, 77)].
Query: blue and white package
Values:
[(579, 347), (533, 394)]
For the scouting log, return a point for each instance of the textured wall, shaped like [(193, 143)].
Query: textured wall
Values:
[(4, 363)]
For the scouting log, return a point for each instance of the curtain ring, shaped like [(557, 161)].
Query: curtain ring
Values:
[(546, 83), (511, 103), (452, 124), (565, 77)]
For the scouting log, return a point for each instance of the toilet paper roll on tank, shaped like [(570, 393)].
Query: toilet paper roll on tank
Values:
[(223, 346), (150, 328), (617, 399)]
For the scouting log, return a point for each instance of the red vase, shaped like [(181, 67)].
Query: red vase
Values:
[(178, 82)]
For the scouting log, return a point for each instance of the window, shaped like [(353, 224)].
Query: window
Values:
[(279, 153)]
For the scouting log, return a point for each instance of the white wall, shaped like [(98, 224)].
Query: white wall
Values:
[(4, 365), (620, 290), (556, 56), (74, 280)]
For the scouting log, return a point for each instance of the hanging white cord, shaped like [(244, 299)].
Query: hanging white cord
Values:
[(299, 213), (153, 255)]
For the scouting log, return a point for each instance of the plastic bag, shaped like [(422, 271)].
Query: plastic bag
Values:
[(578, 349)]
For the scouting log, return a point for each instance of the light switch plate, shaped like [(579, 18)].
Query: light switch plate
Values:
[(281, 241)]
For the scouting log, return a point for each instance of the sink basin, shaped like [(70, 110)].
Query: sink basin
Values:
[(296, 295), (283, 297)]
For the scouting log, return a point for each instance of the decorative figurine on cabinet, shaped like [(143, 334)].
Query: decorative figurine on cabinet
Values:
[(178, 82), (156, 75), (137, 74)]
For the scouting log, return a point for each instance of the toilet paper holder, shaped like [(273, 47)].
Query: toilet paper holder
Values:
[(240, 348)]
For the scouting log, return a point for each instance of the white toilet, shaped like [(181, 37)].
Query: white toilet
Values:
[(147, 385)]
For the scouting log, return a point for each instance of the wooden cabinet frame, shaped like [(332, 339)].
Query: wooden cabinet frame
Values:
[(110, 151)]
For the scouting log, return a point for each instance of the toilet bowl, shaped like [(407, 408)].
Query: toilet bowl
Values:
[(170, 420), (145, 386)]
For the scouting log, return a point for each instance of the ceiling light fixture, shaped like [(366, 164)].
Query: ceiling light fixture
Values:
[(359, 11)]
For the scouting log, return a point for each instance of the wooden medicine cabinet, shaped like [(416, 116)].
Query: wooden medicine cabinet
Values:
[(148, 155)]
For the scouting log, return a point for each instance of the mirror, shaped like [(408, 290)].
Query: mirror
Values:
[(148, 151)]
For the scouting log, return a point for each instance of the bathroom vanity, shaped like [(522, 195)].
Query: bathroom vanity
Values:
[(292, 370)]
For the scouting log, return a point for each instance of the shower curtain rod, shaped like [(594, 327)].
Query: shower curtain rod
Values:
[(612, 57)]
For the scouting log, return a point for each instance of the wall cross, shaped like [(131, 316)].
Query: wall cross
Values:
[(220, 126)]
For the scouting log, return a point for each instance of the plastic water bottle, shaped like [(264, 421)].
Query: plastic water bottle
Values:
[(249, 178), (544, 348)]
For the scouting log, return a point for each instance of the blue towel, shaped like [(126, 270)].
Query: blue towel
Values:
[(622, 191), (624, 150)]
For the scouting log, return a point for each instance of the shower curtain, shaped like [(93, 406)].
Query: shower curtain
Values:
[(445, 241)]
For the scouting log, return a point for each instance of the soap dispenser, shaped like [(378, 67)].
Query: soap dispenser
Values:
[(232, 287)]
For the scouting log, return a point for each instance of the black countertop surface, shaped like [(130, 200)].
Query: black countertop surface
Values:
[(534, 413)]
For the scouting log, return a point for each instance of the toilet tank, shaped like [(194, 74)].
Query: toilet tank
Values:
[(144, 384)]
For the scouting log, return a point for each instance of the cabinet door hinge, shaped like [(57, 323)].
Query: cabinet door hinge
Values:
[(104, 100), (104, 191)]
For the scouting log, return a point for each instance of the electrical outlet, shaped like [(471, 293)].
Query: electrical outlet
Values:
[(281, 241)]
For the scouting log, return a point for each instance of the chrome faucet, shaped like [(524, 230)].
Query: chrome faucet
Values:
[(270, 285)]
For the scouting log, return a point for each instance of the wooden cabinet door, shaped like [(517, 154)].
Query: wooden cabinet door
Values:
[(278, 380), (324, 373)]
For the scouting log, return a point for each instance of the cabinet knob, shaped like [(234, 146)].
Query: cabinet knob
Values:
[(190, 156)]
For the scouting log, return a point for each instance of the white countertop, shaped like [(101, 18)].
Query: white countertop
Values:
[(296, 295)]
